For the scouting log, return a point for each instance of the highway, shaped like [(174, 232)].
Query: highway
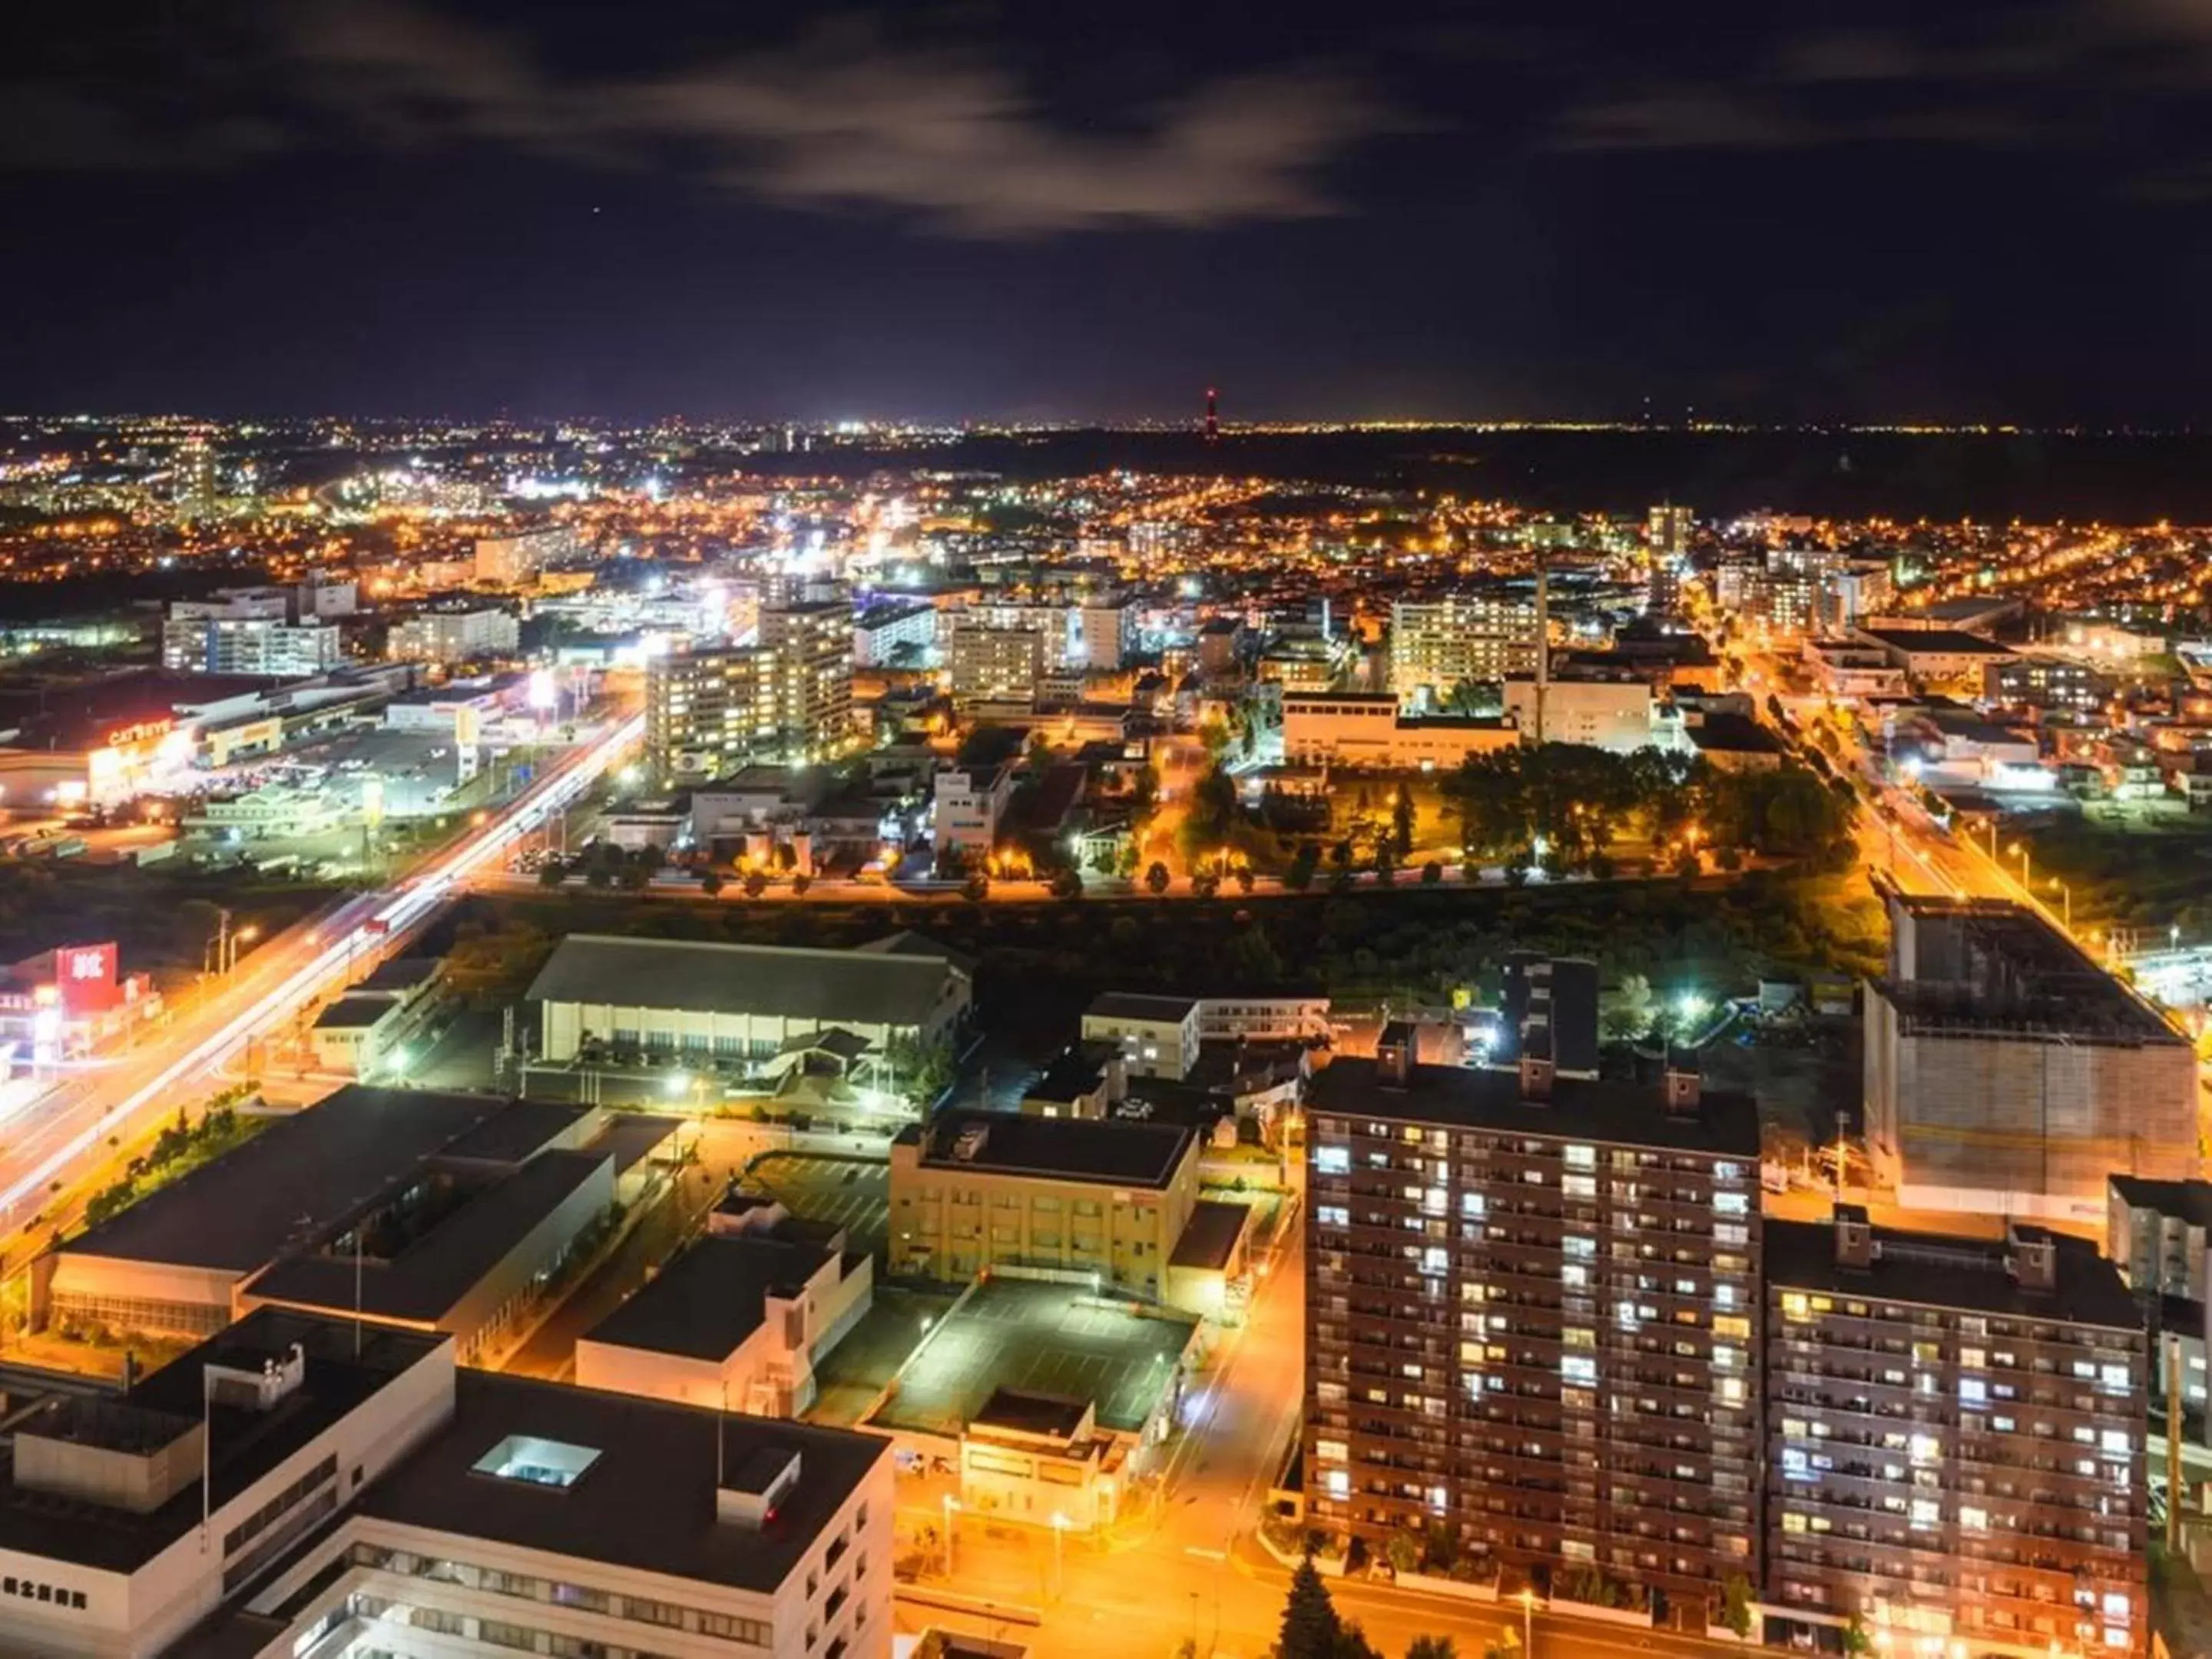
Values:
[(57, 1138)]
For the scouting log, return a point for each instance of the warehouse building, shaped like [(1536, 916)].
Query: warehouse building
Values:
[(645, 997), (2006, 1071), (436, 1212)]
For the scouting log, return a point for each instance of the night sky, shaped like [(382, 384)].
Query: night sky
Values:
[(1056, 209)]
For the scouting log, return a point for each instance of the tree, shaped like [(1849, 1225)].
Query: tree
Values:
[(1242, 875), (1310, 1628), (1204, 884), (552, 873), (1403, 1552), (1066, 883), (799, 883), (1625, 1014), (923, 1071), (1303, 862), (1386, 864), (1432, 1647), (1157, 879), (1401, 821), (976, 888), (755, 883), (1735, 1603), (710, 883), (1856, 1639), (1431, 873)]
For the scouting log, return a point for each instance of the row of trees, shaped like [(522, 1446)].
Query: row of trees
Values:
[(1313, 1629), (1566, 805)]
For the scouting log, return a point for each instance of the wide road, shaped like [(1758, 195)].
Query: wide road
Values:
[(59, 1137)]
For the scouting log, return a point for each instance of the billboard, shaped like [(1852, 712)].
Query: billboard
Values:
[(88, 979)]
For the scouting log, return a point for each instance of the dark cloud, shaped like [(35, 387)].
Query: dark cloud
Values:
[(945, 132)]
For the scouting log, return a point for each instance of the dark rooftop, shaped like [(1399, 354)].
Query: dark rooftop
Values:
[(1942, 1270), (1209, 1237), (648, 1499), (1629, 1113), (433, 1274), (1116, 1151), (2189, 1201), (1021, 1411), (712, 1297), (354, 1011), (301, 1175), (632, 1137), (1735, 734), (517, 1132), (870, 988), (403, 974), (1946, 639)]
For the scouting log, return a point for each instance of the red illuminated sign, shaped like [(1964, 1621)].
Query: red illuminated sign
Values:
[(86, 975)]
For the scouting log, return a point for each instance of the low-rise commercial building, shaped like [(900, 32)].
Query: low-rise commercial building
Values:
[(1935, 657), (968, 805), (1606, 710), (1955, 1438)]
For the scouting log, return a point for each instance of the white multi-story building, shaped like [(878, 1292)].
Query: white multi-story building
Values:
[(1158, 1036), (294, 1486), (454, 635), (1105, 636), (894, 636), (1612, 712), (251, 631), (968, 803), (996, 665)]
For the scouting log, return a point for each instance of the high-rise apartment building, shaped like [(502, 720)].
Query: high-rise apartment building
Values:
[(1105, 635), (2006, 1071), (1955, 1439), (1667, 536), (788, 698), (1458, 638), (809, 648), (1532, 1313)]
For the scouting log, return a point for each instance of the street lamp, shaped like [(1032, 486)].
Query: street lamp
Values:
[(1528, 1622), (2019, 851), (951, 1508), (2066, 894), (1058, 1573)]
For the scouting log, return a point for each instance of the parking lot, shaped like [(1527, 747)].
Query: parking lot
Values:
[(1041, 1337), (852, 1193)]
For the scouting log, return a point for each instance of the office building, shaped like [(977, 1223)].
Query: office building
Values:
[(1548, 1007), (728, 1003), (996, 665), (460, 635), (1532, 1315), (361, 1496), (255, 631), (1955, 1439), (512, 559), (2155, 1233), (2045, 683), (972, 1190), (1456, 639), (2006, 1073)]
